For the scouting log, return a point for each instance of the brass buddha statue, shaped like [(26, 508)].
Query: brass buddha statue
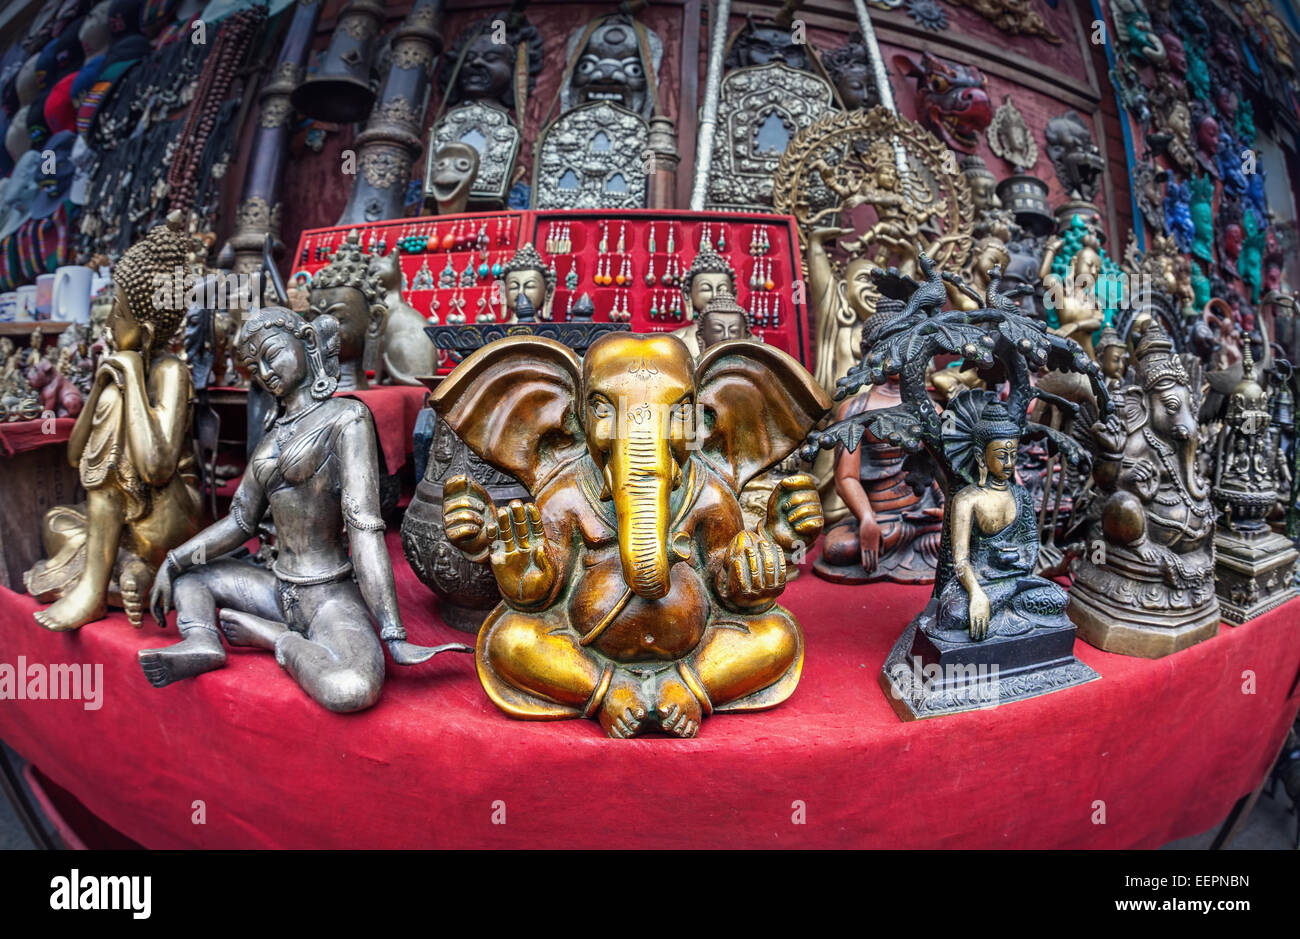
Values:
[(132, 446), (350, 290), (710, 275), (632, 590)]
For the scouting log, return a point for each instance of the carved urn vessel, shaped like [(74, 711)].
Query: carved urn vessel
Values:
[(466, 590)]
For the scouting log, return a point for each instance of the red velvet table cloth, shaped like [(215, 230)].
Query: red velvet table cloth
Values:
[(22, 436), (1155, 750)]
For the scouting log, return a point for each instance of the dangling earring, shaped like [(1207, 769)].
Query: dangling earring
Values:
[(323, 385)]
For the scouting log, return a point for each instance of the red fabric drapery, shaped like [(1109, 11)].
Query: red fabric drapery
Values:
[(1156, 750)]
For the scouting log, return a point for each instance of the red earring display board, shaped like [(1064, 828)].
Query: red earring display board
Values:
[(467, 252)]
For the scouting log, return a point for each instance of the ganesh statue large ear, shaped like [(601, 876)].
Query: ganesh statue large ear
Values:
[(757, 405), (513, 403)]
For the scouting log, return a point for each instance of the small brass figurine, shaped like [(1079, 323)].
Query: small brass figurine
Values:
[(315, 474), (132, 446), (634, 457), (349, 289), (709, 276), (1255, 567), (1144, 583), (992, 631)]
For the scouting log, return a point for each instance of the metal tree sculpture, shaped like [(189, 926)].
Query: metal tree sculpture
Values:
[(998, 336)]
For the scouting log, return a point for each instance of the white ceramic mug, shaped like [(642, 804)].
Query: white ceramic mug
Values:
[(71, 300), (26, 311), (44, 293), (8, 306)]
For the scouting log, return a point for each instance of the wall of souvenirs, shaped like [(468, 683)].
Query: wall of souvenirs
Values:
[(993, 295)]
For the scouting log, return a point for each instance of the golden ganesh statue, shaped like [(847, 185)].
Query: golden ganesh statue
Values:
[(632, 590), (132, 446)]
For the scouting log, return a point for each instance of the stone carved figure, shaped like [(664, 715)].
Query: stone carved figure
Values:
[(315, 474), (850, 70), (987, 605), (132, 446), (600, 617), (1149, 590), (1074, 155)]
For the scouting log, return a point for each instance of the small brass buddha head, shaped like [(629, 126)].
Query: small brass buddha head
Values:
[(528, 274), (710, 275), (722, 319), (997, 439), (1112, 354)]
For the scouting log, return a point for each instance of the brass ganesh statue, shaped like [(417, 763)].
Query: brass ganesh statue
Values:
[(632, 590)]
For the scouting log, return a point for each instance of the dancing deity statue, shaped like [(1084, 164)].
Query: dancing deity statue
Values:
[(632, 590), (132, 446), (314, 475), (1144, 581), (350, 289)]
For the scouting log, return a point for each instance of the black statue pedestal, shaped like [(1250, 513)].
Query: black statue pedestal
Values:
[(932, 675)]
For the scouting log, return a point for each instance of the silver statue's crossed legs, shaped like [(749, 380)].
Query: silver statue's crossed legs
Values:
[(228, 584), (338, 661)]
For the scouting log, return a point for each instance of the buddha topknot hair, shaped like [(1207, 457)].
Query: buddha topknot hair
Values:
[(349, 266), (137, 274), (527, 258), (708, 261), (995, 423)]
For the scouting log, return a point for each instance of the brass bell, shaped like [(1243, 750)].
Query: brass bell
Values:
[(340, 90)]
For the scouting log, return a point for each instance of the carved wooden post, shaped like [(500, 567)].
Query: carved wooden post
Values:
[(258, 213), (391, 140)]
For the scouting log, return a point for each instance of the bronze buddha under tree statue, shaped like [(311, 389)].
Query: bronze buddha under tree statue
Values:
[(133, 448), (1144, 578), (992, 631), (314, 476), (350, 290), (632, 590)]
